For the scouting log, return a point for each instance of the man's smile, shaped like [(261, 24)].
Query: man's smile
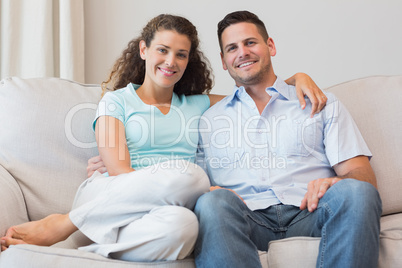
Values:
[(245, 64)]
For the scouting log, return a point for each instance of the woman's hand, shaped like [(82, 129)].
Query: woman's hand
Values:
[(213, 188), (306, 86)]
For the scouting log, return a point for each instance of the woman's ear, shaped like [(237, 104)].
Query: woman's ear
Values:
[(143, 49)]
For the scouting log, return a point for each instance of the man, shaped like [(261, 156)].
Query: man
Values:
[(288, 174)]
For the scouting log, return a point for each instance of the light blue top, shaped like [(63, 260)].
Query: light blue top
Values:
[(153, 137), (269, 158)]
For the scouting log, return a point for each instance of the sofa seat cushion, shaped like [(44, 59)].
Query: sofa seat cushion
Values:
[(391, 241), (26, 255), (304, 250), (293, 252)]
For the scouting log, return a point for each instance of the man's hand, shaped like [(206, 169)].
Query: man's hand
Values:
[(95, 164), (357, 168), (315, 191)]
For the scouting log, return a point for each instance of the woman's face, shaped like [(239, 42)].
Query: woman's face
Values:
[(166, 58)]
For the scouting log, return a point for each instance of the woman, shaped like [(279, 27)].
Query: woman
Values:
[(146, 131)]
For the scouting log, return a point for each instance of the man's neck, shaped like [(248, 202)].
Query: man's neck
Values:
[(258, 92)]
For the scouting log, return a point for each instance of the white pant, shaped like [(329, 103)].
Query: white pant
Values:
[(144, 215)]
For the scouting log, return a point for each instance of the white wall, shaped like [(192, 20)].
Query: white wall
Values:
[(333, 41)]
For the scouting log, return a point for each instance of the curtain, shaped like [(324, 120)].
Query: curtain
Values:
[(42, 38)]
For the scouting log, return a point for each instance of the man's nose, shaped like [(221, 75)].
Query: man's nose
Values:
[(243, 51)]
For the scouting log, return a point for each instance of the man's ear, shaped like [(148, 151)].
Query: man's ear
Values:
[(143, 49), (271, 45), (223, 62)]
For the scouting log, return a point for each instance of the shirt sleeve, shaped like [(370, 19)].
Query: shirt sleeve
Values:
[(112, 104), (342, 138)]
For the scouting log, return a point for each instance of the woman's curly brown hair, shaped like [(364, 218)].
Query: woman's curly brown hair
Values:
[(130, 67)]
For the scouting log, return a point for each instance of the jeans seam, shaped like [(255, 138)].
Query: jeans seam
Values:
[(279, 215), (299, 219), (323, 232), (281, 228), (262, 223), (323, 245)]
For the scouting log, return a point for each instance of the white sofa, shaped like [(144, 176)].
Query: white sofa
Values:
[(46, 140)]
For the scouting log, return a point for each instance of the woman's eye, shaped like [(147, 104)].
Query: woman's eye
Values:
[(162, 50), (181, 55)]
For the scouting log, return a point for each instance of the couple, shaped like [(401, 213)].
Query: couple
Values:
[(277, 170)]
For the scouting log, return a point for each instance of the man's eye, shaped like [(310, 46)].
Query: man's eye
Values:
[(230, 49)]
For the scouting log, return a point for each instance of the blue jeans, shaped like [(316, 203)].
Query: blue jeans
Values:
[(347, 220)]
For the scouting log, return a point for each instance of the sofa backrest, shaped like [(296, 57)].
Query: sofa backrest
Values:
[(46, 139), (375, 104), (46, 136)]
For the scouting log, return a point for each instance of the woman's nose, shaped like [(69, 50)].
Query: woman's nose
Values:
[(170, 61)]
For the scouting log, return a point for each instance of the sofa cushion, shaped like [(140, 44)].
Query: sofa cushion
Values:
[(46, 139), (293, 252), (12, 207), (391, 241), (26, 255), (304, 250), (375, 104)]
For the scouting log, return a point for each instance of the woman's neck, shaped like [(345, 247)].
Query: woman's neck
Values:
[(159, 97), (152, 94)]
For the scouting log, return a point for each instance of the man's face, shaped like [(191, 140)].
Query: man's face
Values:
[(246, 55)]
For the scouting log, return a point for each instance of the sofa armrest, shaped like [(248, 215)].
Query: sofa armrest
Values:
[(12, 204)]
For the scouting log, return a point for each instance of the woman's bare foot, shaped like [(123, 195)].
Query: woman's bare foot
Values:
[(45, 232)]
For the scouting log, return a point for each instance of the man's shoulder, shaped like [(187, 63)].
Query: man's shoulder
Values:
[(331, 97)]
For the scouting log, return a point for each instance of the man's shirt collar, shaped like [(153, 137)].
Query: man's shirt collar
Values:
[(280, 86)]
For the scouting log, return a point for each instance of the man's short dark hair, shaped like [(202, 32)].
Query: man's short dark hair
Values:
[(241, 16)]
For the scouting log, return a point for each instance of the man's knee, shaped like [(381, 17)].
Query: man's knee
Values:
[(215, 204), (355, 193)]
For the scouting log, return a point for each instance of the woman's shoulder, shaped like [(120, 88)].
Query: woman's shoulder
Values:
[(120, 94), (127, 90), (197, 101)]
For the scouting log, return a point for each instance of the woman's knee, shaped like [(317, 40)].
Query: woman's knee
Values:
[(166, 233), (181, 230)]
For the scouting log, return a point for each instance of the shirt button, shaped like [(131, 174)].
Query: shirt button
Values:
[(259, 131)]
